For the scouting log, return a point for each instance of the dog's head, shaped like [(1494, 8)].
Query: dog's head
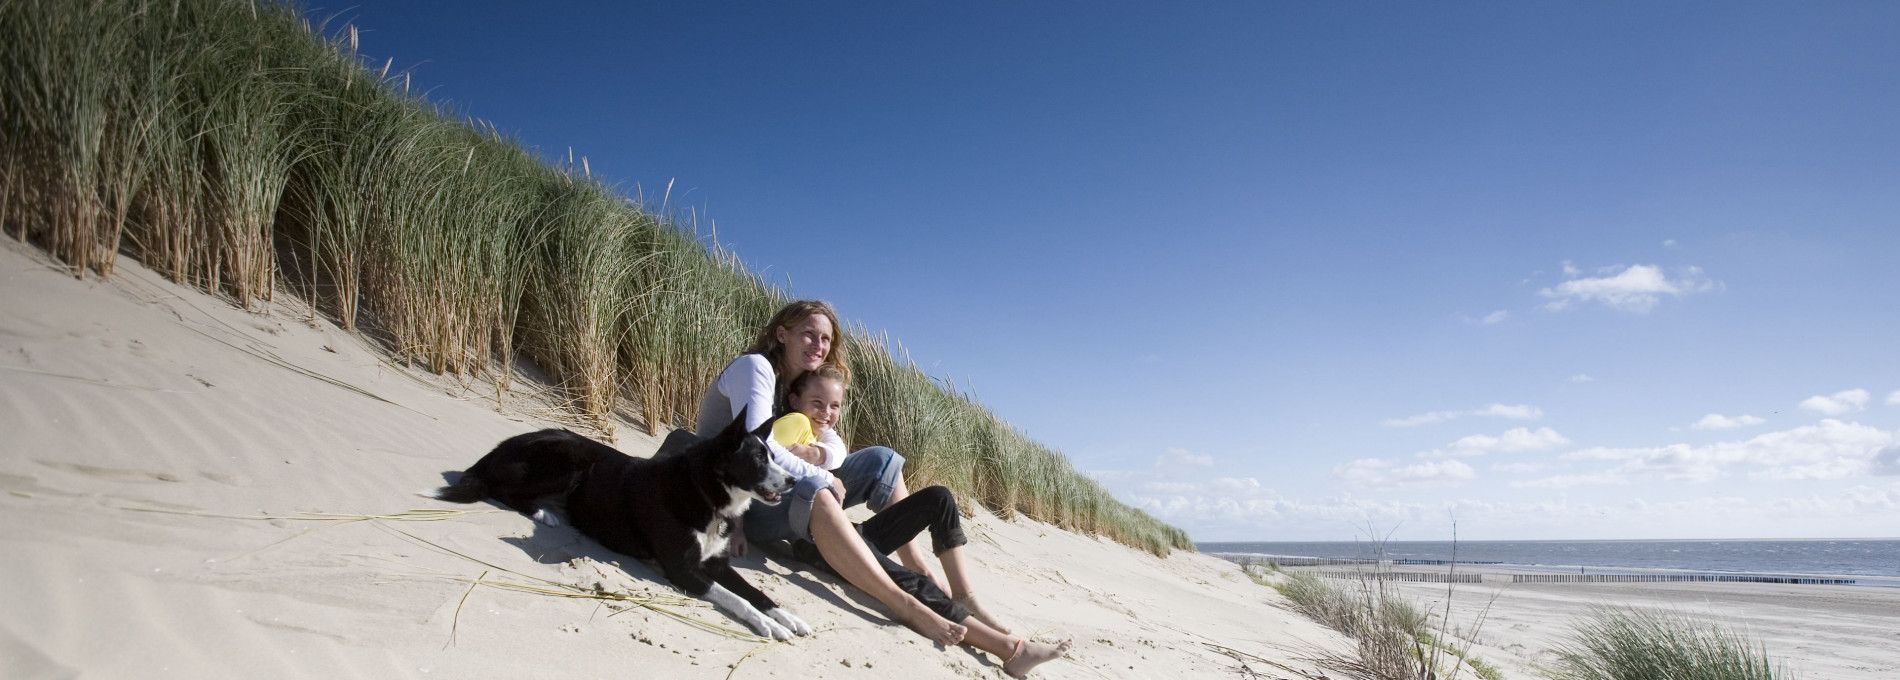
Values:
[(743, 462)]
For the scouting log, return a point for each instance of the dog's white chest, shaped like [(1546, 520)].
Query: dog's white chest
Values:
[(713, 540)]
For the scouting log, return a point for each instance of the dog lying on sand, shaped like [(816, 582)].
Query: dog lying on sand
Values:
[(677, 510)]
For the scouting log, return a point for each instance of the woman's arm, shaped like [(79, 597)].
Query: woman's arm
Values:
[(747, 385)]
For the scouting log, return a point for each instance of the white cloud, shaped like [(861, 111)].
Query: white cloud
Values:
[(1887, 461), (1432, 418), (1332, 517), (1512, 411), (1717, 421), (1838, 403), (1567, 481), (1870, 510), (1514, 440), (1518, 468), (1637, 288), (1894, 399), (1495, 318), (1175, 458), (1235, 485), (1375, 472), (1570, 270), (1669, 243), (1582, 378), (1830, 449)]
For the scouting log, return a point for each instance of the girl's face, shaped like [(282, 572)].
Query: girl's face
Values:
[(821, 401), (806, 343)]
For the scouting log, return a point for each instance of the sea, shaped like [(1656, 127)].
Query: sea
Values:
[(1874, 562)]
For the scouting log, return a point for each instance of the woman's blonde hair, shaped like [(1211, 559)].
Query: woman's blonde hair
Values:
[(791, 315)]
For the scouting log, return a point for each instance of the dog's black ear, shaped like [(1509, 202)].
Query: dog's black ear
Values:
[(764, 431), (736, 429)]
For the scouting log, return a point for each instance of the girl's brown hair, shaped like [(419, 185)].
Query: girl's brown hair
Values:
[(808, 378), (790, 315)]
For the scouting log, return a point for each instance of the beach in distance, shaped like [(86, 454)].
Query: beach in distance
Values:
[(1828, 608), (1869, 561)]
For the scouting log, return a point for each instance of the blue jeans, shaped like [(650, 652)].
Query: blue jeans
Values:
[(869, 475)]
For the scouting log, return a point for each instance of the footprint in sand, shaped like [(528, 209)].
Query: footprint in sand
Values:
[(114, 474), (131, 475), (22, 486)]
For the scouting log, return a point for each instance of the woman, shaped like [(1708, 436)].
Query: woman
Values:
[(799, 338)]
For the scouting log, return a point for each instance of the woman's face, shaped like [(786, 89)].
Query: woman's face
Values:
[(807, 343)]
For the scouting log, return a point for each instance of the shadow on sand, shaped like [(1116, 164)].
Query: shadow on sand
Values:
[(557, 545)]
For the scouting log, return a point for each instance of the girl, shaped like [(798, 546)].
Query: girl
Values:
[(817, 398), (797, 339)]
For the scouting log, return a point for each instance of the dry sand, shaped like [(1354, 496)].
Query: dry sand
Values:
[(130, 395)]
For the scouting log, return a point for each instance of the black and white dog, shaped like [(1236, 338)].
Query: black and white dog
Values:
[(677, 510)]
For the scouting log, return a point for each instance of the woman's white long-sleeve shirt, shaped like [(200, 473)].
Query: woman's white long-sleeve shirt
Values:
[(747, 385)]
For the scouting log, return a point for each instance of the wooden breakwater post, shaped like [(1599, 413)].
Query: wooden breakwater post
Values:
[(1265, 562), (1680, 578), (1407, 576)]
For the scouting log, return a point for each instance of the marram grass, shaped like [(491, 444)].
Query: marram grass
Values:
[(231, 145), (1628, 643)]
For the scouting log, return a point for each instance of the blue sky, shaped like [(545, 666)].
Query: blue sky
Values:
[(1287, 271)]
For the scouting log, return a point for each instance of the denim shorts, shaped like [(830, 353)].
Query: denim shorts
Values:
[(869, 475)]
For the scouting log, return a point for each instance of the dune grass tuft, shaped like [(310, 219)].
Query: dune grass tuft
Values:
[(1627, 643), (233, 146), (1394, 639)]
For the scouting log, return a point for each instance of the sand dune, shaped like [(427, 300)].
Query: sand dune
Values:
[(152, 433)]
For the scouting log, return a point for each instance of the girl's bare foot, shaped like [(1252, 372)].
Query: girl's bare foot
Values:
[(969, 602), (1032, 654)]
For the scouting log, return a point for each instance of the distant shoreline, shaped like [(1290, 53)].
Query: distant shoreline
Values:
[(1866, 561), (1509, 569), (1878, 539)]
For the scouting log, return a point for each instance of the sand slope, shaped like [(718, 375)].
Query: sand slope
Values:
[(126, 396)]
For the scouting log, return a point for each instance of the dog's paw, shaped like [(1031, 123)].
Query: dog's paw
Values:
[(768, 628), (546, 518), (790, 621)]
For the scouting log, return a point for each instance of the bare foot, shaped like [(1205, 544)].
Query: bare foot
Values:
[(1031, 654), (969, 602), (936, 628)]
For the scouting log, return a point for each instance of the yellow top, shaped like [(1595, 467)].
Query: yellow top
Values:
[(793, 429)]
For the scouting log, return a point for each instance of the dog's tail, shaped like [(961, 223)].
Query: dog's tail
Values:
[(468, 489)]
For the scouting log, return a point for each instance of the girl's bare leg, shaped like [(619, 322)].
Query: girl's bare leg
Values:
[(1018, 655), (960, 590), (847, 554)]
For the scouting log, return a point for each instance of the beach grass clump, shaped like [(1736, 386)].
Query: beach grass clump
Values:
[(1629, 643), (234, 146), (1484, 669), (1394, 639)]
